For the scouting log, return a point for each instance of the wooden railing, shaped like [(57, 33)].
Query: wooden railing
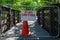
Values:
[(10, 17), (48, 18)]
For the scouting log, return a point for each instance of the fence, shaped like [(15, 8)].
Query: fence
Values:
[(48, 18), (10, 17)]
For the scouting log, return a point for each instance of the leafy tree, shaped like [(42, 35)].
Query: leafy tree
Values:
[(15, 3)]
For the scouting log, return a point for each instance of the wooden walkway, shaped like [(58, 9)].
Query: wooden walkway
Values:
[(37, 33)]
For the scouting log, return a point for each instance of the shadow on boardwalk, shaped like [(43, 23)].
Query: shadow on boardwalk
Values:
[(37, 33)]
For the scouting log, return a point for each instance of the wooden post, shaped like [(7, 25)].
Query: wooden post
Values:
[(18, 18), (14, 17)]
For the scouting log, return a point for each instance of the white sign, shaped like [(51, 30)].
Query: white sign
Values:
[(28, 15)]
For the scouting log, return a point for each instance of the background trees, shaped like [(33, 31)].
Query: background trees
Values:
[(15, 3)]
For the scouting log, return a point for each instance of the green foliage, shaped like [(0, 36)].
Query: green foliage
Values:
[(26, 2)]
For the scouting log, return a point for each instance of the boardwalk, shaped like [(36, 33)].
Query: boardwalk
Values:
[(37, 32)]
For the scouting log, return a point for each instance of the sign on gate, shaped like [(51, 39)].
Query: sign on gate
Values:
[(28, 15)]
